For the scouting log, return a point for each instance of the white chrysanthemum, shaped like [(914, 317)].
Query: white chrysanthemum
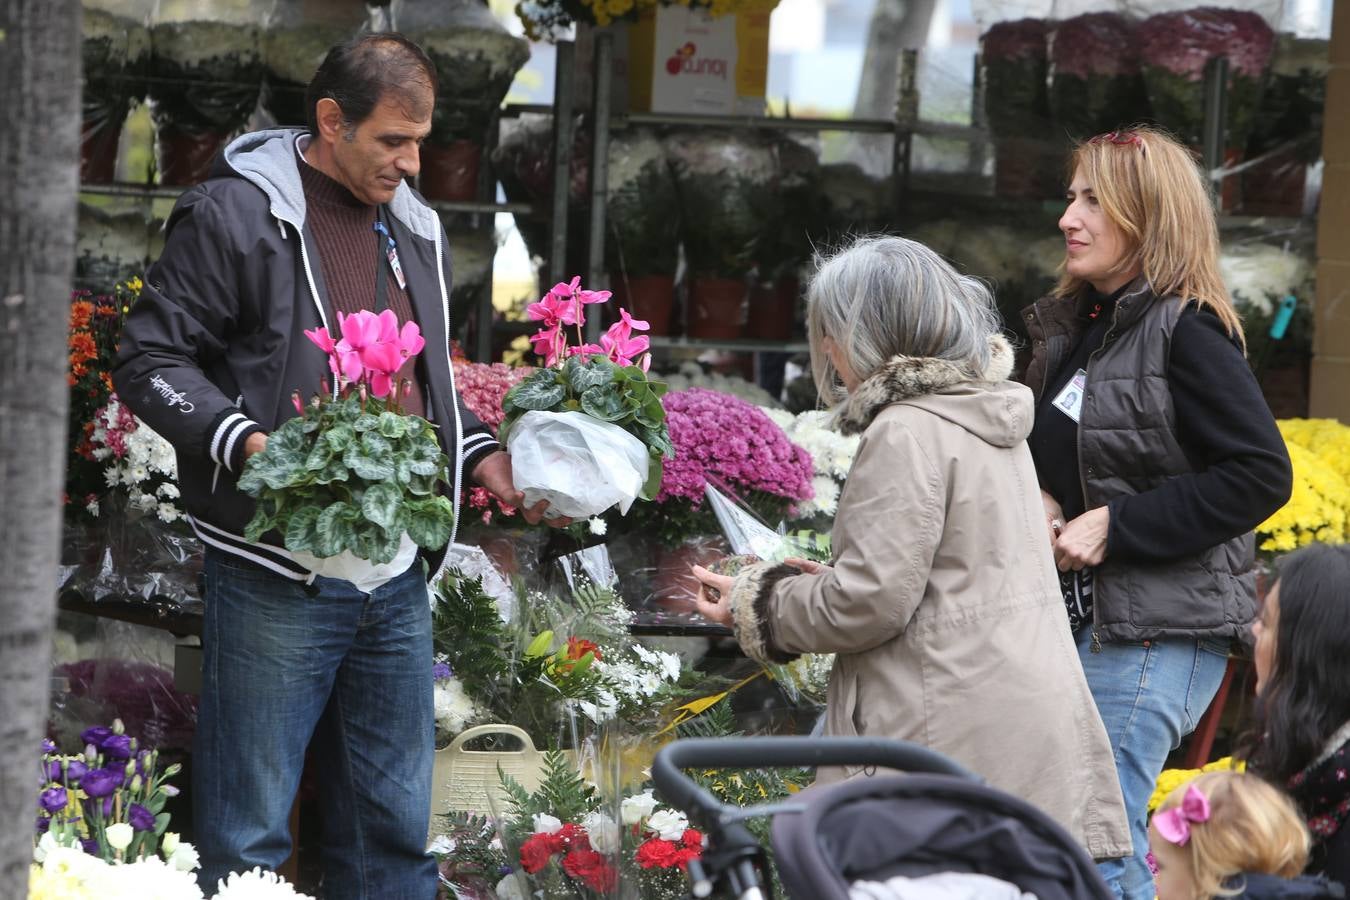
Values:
[(1258, 275), (597, 526), (455, 710), (169, 513), (112, 475), (185, 857), (147, 879), (168, 490), (256, 884)]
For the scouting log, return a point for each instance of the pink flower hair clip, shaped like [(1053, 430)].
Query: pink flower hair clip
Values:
[(1175, 824)]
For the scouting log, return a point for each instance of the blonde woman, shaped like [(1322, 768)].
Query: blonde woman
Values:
[(942, 601), (1156, 453)]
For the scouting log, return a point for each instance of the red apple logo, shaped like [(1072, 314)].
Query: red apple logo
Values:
[(676, 62), (673, 64)]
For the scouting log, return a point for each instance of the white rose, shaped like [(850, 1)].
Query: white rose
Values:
[(185, 858), (120, 835), (634, 809), (546, 824), (603, 832), (668, 824), (169, 843), (509, 889)]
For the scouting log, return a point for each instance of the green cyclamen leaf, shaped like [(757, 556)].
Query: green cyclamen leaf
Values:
[(319, 456), (538, 393), (339, 436), (381, 504), (604, 403), (302, 531), (334, 530), (366, 422), (369, 457), (595, 372), (392, 425), (429, 522)]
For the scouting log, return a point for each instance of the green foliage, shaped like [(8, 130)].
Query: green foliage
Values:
[(603, 390), (350, 474), (467, 628), (562, 793)]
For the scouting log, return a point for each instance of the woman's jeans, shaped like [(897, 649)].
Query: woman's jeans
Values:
[(1150, 695), (283, 663)]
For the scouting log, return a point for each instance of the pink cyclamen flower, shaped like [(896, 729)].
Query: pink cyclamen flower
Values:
[(586, 350), (552, 311), (618, 342), (549, 343)]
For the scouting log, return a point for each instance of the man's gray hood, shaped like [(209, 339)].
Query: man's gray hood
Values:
[(267, 160)]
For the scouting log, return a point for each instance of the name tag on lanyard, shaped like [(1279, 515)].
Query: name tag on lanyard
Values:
[(391, 254), (1070, 398)]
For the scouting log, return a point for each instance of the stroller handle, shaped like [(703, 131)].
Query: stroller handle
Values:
[(774, 752)]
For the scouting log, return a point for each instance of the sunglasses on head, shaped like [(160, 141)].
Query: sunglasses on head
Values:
[(1118, 137)]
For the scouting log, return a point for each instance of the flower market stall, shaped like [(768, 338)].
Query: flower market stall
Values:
[(566, 657)]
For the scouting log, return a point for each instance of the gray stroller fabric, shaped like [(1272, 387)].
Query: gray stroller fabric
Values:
[(877, 828), (943, 886)]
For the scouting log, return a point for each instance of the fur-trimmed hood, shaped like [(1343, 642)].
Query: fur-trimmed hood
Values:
[(985, 404)]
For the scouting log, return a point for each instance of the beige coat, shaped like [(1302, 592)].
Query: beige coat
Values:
[(943, 604)]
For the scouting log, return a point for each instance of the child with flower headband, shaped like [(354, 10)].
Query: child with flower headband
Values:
[(1231, 834)]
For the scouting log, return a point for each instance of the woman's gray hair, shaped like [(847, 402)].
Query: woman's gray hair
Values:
[(882, 297)]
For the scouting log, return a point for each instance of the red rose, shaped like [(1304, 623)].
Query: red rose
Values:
[(658, 854), (693, 839), (572, 837), (536, 852)]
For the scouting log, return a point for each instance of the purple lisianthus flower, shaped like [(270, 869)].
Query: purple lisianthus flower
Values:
[(48, 746), (116, 746), (169, 790), (90, 846), (441, 671), (140, 818), (107, 806), (53, 799), (43, 823), (96, 735), (100, 782), (53, 769), (75, 770)]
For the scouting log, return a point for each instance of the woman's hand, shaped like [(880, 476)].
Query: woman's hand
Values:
[(805, 565), (1054, 516), (714, 596), (1082, 543)]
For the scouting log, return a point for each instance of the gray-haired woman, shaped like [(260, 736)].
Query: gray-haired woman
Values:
[(942, 602)]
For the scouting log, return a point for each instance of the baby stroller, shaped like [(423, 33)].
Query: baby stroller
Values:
[(936, 818)]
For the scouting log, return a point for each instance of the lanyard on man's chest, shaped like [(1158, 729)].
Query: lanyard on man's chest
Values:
[(386, 253)]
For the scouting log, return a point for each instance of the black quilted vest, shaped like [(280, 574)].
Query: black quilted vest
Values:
[(1127, 444)]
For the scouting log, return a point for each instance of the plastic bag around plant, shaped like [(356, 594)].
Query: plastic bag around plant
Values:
[(117, 670), (142, 560), (580, 465), (474, 562), (590, 563)]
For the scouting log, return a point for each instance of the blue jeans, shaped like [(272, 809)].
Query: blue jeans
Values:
[(283, 663), (1150, 695)]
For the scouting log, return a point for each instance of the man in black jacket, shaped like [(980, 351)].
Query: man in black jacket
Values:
[(279, 240)]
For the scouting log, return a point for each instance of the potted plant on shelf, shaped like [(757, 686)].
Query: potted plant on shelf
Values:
[(787, 246), (1176, 47), (726, 183), (205, 75), (644, 230), (113, 50), (1013, 56), (1095, 82), (476, 60), (296, 38)]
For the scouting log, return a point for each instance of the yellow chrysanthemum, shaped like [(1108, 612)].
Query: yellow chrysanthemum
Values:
[(1171, 779), (1319, 506)]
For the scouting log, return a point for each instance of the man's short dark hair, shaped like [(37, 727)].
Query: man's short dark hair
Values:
[(358, 73)]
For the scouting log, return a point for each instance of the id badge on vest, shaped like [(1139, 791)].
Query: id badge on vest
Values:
[(1070, 399)]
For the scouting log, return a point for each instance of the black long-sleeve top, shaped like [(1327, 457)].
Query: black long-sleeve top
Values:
[(1241, 471)]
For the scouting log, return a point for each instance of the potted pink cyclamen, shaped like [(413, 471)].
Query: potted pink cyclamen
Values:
[(354, 479), (587, 431)]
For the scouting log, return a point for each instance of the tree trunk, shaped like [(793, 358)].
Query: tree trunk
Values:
[(896, 25), (39, 164)]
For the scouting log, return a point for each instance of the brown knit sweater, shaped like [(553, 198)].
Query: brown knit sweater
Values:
[(348, 246)]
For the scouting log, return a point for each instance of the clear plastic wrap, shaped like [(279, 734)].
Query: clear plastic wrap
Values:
[(142, 559), (117, 670), (205, 76)]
